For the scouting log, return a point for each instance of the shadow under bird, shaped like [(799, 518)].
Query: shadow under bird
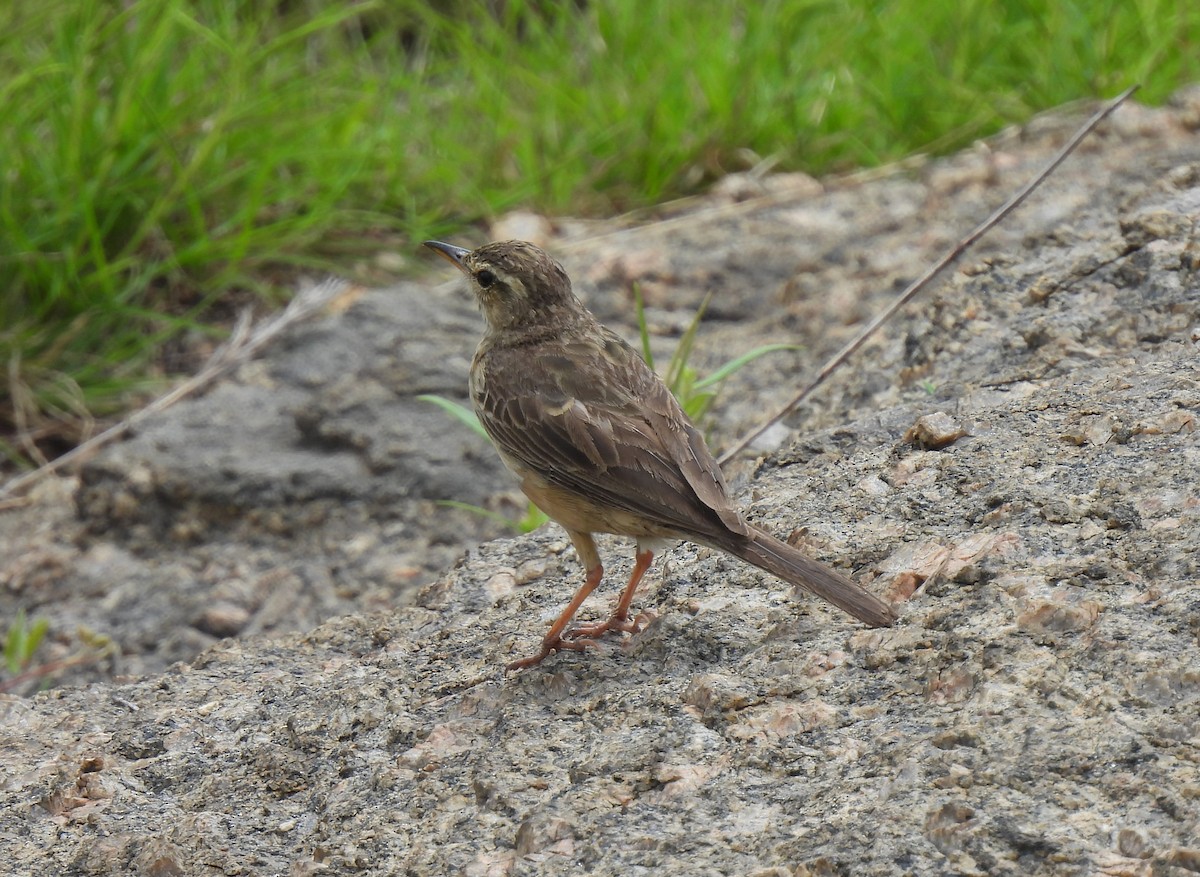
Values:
[(601, 445)]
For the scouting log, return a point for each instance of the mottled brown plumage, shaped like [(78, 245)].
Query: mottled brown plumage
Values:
[(600, 444)]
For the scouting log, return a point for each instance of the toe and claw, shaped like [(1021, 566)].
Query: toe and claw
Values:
[(583, 637)]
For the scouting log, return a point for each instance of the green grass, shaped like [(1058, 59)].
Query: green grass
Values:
[(164, 161), (22, 641), (695, 394)]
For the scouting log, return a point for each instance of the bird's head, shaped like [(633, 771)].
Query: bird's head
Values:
[(517, 284)]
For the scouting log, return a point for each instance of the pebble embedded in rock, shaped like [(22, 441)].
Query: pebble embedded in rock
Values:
[(935, 431)]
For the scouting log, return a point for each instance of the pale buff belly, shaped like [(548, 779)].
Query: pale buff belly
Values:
[(583, 516)]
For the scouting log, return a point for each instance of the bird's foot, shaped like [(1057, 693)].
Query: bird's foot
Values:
[(582, 637), (550, 645), (589, 633)]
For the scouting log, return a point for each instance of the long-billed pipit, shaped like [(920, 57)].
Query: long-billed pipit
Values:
[(600, 444)]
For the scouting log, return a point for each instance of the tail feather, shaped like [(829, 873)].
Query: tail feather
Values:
[(781, 559)]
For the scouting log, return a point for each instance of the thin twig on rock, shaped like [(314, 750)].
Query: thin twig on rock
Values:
[(925, 279)]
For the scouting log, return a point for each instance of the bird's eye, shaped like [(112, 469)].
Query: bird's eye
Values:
[(485, 278)]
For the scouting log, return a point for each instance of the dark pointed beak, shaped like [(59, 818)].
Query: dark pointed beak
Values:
[(451, 253)]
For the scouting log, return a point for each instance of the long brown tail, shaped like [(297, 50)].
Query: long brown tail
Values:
[(766, 552)]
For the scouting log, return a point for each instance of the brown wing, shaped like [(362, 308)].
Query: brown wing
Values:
[(589, 415)]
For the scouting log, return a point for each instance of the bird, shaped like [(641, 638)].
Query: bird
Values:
[(600, 444)]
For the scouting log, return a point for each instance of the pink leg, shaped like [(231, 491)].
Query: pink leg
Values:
[(553, 640), (619, 620)]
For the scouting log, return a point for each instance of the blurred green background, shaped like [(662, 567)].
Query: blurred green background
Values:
[(165, 162)]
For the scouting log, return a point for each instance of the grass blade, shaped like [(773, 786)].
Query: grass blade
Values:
[(745, 359), (643, 331), (458, 411)]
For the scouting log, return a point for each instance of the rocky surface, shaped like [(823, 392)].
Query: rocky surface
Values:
[(1013, 461)]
